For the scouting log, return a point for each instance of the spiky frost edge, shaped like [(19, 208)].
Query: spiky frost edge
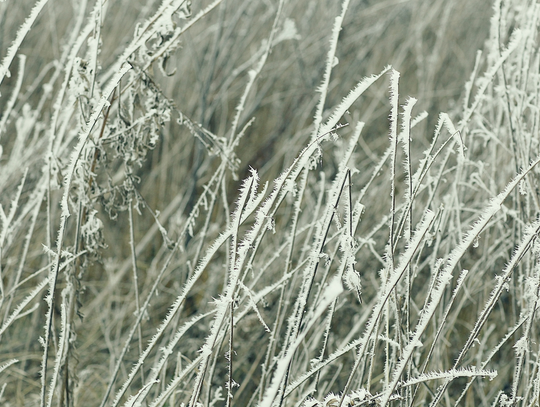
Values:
[(394, 106), (332, 291), (492, 353), (14, 94), (145, 31), (174, 383), (226, 299), (488, 77), (330, 58), (214, 247), (62, 345), (458, 252), (387, 288), (425, 318), (136, 400), (449, 375), (405, 137), (74, 48), (8, 364), (319, 240), (348, 100), (23, 304), (165, 351), (21, 34)]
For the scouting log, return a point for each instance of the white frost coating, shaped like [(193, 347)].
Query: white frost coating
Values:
[(394, 103), (8, 364), (261, 218), (317, 247), (495, 23), (225, 301), (146, 31), (444, 120), (405, 137), (467, 242), (211, 251), (415, 242), (318, 366), (352, 280), (265, 211), (426, 315), (23, 31), (430, 153), (492, 353), (348, 100), (57, 106), (136, 401), (175, 35), (14, 95), (491, 209), (165, 356), (160, 400), (393, 279), (83, 137), (255, 197), (23, 304), (521, 346), (530, 233), (330, 63), (252, 305), (488, 77), (419, 118), (406, 123), (469, 84), (62, 344), (332, 291), (448, 375)]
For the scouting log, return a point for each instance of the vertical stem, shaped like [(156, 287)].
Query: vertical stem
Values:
[(135, 278)]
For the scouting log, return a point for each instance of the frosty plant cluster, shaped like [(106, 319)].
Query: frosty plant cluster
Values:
[(196, 211)]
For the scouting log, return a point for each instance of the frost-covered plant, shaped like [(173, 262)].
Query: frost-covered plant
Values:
[(201, 206)]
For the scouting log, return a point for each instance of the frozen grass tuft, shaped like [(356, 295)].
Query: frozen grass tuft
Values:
[(238, 203)]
